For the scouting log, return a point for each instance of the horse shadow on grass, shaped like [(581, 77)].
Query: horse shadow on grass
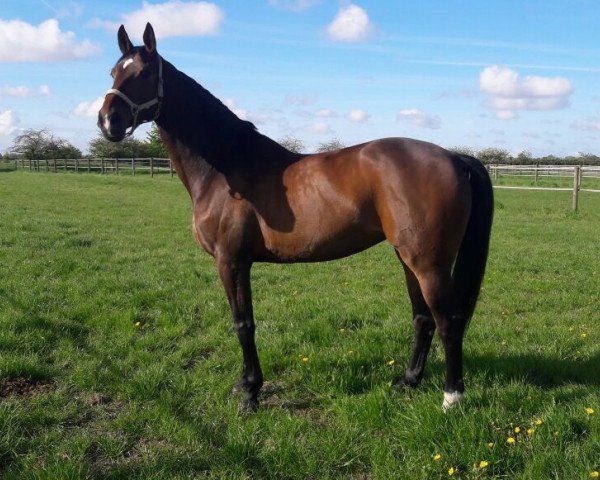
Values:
[(537, 369)]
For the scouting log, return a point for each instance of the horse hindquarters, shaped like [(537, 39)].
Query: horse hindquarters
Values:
[(458, 227)]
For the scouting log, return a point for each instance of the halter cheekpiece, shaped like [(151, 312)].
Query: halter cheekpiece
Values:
[(136, 108)]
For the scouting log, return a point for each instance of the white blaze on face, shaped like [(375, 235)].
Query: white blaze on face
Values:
[(126, 63), (106, 123)]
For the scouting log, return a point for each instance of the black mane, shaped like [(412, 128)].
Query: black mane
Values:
[(198, 119)]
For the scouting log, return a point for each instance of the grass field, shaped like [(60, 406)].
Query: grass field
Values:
[(117, 351)]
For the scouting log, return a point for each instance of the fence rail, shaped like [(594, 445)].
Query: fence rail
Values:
[(155, 166), (133, 166), (538, 172)]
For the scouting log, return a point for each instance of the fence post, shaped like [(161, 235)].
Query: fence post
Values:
[(54, 164), (76, 165), (88, 161), (496, 172), (151, 167), (171, 167), (576, 187), (102, 165), (47, 167), (537, 166), (133, 166), (30, 164), (117, 165)]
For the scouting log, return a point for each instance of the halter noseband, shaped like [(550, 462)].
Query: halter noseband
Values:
[(137, 107)]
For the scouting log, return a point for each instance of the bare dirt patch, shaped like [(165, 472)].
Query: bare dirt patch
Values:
[(24, 387)]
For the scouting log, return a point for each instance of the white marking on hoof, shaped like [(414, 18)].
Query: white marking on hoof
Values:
[(127, 62), (451, 399)]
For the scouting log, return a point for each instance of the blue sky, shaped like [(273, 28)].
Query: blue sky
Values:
[(520, 75)]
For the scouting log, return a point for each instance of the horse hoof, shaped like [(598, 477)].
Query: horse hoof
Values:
[(248, 405), (238, 387), (403, 384), (451, 399)]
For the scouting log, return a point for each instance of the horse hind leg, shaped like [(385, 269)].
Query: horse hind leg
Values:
[(438, 292), (424, 326)]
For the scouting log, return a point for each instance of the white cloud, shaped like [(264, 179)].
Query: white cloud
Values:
[(587, 125), (23, 42), (258, 118), (417, 118), (507, 91), (173, 19), (305, 100), (89, 109), (357, 116), (8, 123), (325, 113), (506, 114), (351, 24), (319, 128), (23, 91), (294, 5)]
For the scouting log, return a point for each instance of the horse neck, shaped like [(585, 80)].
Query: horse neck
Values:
[(205, 139)]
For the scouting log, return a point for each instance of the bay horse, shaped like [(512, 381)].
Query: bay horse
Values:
[(255, 201)]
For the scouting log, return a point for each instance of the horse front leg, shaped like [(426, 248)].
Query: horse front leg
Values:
[(236, 280)]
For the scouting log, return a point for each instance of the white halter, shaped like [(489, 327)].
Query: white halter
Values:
[(137, 107)]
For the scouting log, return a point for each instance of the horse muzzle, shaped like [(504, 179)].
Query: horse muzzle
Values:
[(112, 125)]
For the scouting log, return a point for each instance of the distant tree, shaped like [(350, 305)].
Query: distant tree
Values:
[(127, 148), (524, 158), (584, 158), (292, 143), (494, 155), (463, 151), (32, 144), (154, 144), (331, 145), (40, 144)]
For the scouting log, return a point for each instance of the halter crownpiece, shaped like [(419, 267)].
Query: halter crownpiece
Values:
[(137, 107)]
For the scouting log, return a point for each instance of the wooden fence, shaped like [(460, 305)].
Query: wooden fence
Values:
[(154, 166), (132, 166), (539, 172)]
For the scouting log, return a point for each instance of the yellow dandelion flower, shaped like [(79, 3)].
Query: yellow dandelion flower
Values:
[(137, 324), (342, 330), (483, 464), (589, 411), (530, 431), (391, 362), (510, 440), (584, 334), (305, 359), (350, 352), (517, 429), (491, 445), (594, 474), (437, 457), (539, 421), (452, 471), (556, 434)]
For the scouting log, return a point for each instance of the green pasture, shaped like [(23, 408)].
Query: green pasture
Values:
[(117, 352)]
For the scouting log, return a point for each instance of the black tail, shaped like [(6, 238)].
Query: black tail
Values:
[(472, 256)]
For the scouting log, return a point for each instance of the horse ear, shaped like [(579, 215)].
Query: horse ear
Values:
[(124, 43), (149, 39)]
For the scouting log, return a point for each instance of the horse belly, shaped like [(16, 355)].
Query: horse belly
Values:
[(318, 240)]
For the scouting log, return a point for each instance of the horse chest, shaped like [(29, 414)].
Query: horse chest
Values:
[(204, 229)]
